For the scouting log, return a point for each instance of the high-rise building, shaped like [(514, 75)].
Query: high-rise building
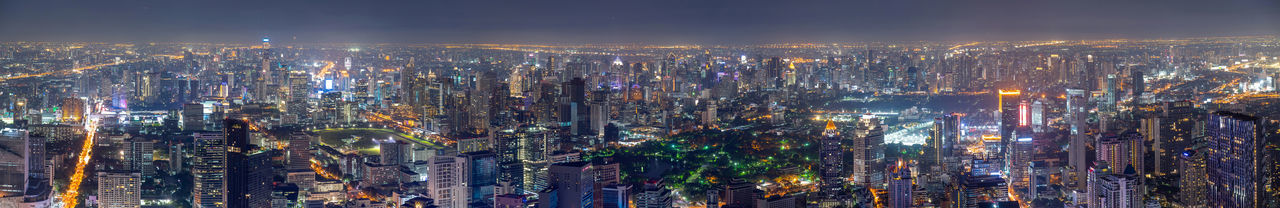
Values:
[(482, 168), (1239, 160), (1021, 151), (299, 90), (447, 183), (574, 182), (119, 189), (654, 195), (1193, 180), (868, 152), (209, 169), (1122, 151), (15, 170), (192, 117), (249, 178), (832, 174), (1119, 190), (1009, 116), (139, 155), (1076, 116), (900, 186), (299, 151)]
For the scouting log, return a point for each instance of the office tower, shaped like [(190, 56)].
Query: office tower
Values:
[(868, 152), (1076, 115), (482, 168), (510, 177), (73, 110), (900, 185), (574, 182), (119, 189), (1122, 151), (951, 135), (299, 89), (1238, 161), (192, 117), (15, 170), (249, 178), (574, 112), (448, 181), (832, 156), (1192, 181), (1009, 116), (534, 145), (654, 195), (209, 169), (299, 151)]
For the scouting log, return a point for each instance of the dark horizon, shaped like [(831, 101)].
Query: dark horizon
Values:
[(643, 22)]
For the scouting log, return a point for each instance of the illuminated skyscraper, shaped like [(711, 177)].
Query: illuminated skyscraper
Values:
[(1238, 161), (209, 169), (900, 186), (1010, 117), (868, 152), (833, 178)]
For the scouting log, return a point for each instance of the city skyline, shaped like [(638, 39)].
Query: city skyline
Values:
[(645, 22), (640, 104)]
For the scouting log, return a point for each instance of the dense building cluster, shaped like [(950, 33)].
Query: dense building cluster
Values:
[(1107, 123)]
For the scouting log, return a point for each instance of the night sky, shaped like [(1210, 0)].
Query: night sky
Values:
[(630, 21)]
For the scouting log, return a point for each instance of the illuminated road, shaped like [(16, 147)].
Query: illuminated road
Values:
[(69, 198), (78, 69)]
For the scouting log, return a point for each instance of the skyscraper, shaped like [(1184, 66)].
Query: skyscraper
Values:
[(299, 90), (1238, 160), (209, 169), (1076, 115), (900, 185), (833, 178), (1009, 116), (868, 152)]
